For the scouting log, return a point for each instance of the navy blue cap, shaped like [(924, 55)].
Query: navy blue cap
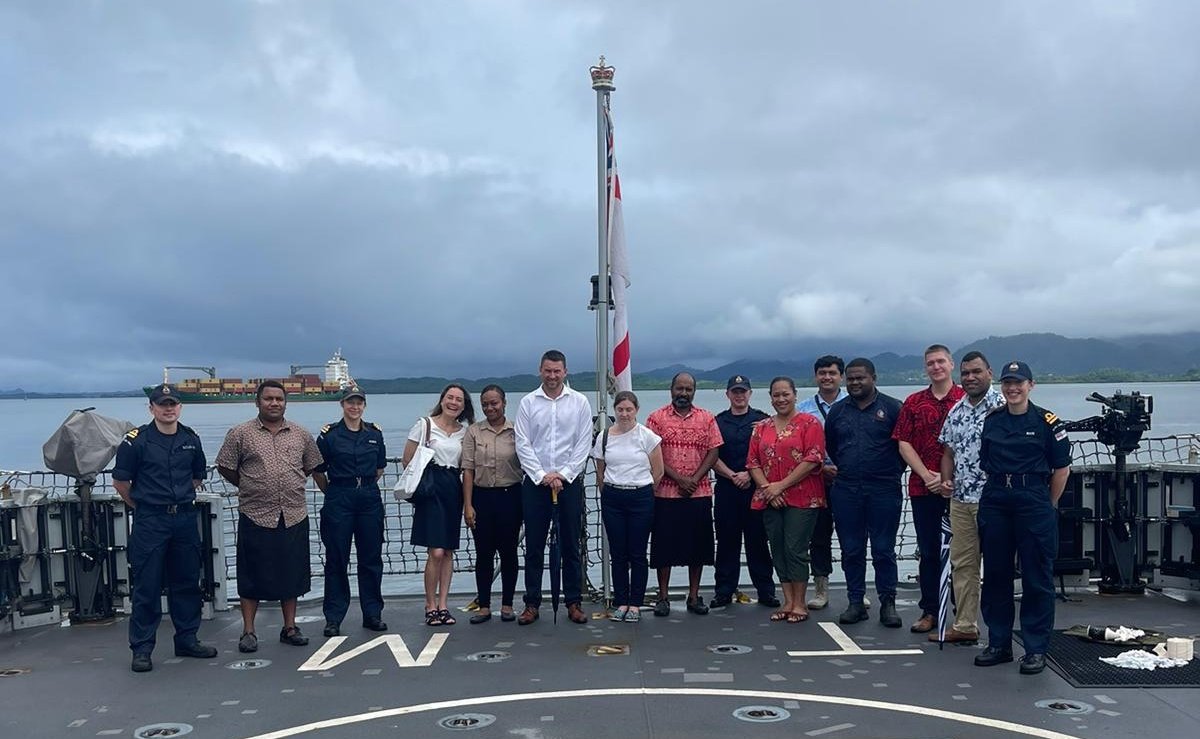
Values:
[(163, 392), (353, 392), (1017, 371), (738, 381)]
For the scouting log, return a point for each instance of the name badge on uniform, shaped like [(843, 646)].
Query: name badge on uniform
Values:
[(188, 447), (372, 441), (1031, 433)]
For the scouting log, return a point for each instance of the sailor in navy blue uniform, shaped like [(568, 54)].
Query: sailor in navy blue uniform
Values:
[(355, 458), (1026, 455), (158, 468)]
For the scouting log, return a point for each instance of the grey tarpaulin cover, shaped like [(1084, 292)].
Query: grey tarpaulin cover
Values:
[(84, 444), (27, 500)]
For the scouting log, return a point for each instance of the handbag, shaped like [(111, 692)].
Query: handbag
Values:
[(408, 486)]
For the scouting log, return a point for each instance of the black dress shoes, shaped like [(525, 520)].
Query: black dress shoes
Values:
[(374, 623), (332, 628), (480, 618), (770, 601), (854, 613), (1032, 664), (887, 613), (141, 663), (195, 649), (992, 656)]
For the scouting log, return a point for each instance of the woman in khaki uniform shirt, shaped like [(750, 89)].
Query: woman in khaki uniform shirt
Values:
[(492, 502)]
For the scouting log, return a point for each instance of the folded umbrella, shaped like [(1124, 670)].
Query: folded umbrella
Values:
[(944, 608)]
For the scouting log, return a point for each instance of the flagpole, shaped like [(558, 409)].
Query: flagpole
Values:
[(602, 83)]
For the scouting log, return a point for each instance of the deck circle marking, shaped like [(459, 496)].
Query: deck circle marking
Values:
[(248, 664), (1064, 706), (158, 731), (762, 714), (923, 711), (730, 649), (466, 721), (489, 656)]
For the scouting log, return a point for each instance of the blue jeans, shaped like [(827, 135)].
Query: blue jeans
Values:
[(628, 516), (1021, 522), (537, 510), (862, 513)]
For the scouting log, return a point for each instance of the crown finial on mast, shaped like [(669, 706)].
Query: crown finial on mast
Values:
[(602, 76)]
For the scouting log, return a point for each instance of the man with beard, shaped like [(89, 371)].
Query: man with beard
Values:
[(733, 516), (553, 435), (917, 431), (683, 525), (963, 478), (866, 492), (269, 460)]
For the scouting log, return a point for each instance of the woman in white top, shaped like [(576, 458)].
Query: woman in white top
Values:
[(438, 509), (629, 464)]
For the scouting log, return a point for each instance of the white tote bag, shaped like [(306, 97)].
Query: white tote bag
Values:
[(410, 478)]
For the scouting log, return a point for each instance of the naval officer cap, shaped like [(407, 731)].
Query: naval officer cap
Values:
[(163, 394), (738, 382), (354, 392), (1017, 371)]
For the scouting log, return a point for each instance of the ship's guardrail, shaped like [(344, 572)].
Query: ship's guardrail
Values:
[(403, 559)]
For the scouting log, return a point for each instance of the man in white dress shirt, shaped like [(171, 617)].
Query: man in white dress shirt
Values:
[(554, 436)]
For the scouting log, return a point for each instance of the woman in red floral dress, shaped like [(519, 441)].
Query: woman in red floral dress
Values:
[(785, 458)]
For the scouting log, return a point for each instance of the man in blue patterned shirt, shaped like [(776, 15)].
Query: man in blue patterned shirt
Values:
[(964, 479)]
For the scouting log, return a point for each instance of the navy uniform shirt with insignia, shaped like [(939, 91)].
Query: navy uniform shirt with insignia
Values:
[(860, 443), (161, 467), (1034, 442), (351, 454)]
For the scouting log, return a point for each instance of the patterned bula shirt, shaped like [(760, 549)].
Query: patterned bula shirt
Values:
[(962, 432)]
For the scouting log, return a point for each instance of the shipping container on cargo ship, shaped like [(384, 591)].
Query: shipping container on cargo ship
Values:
[(299, 387)]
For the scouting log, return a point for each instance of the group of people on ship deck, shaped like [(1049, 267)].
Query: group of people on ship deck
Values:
[(988, 460)]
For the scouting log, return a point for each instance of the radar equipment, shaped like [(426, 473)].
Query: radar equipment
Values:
[(1120, 425)]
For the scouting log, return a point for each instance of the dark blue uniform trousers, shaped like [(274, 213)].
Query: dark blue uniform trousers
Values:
[(537, 509), (358, 513), (863, 513), (735, 521), (1020, 521), (164, 548)]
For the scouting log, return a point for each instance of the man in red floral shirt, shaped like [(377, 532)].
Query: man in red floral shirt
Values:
[(917, 430)]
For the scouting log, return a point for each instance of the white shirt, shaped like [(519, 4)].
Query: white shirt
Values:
[(627, 459), (553, 434), (447, 448)]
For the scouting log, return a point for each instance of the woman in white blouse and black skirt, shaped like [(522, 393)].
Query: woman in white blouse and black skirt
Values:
[(437, 518), (629, 464)]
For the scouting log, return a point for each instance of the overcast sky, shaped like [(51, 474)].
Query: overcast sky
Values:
[(251, 184)]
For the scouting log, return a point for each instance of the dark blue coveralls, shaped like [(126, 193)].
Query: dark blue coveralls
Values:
[(733, 517), (164, 545), (353, 509), (1018, 453)]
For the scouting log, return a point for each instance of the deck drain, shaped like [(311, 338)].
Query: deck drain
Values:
[(493, 656), (762, 714), (730, 649), (608, 650), (467, 721), (1070, 707), (13, 671), (155, 731), (248, 664)]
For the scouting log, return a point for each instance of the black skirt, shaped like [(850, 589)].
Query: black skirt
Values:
[(272, 563), (437, 514), (683, 532)]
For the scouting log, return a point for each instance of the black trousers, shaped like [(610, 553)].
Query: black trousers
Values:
[(734, 522), (537, 510), (820, 551), (352, 513), (497, 530)]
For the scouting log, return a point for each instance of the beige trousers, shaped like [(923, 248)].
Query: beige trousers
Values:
[(964, 563)]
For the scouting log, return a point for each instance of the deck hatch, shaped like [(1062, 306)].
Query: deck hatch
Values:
[(1069, 707), (494, 655), (730, 649), (248, 664), (466, 721), (761, 714), (157, 731)]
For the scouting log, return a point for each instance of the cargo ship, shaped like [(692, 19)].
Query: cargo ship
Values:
[(299, 387)]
